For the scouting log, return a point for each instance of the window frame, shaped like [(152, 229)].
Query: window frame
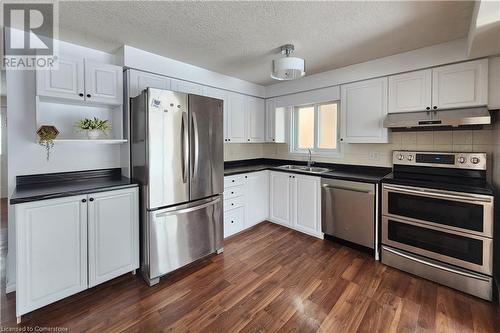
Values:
[(316, 149)]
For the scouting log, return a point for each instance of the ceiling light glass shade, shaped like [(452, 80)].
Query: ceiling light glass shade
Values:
[(288, 68)]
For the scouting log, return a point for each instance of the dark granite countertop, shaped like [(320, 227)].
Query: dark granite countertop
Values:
[(58, 185), (365, 174)]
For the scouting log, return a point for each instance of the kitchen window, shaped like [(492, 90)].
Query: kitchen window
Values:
[(315, 127)]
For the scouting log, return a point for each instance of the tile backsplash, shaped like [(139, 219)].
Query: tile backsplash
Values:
[(377, 154)]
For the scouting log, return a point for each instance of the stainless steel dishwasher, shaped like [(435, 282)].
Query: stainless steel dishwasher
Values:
[(348, 211)]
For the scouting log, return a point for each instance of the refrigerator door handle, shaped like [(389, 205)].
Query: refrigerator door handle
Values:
[(189, 209), (196, 144), (185, 148)]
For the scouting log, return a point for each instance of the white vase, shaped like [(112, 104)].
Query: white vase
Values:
[(93, 134)]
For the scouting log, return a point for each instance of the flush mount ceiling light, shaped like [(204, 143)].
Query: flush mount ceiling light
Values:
[(288, 68)]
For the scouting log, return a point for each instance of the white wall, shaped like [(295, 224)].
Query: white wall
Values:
[(25, 156)]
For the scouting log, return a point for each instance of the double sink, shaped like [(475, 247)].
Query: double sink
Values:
[(304, 168)]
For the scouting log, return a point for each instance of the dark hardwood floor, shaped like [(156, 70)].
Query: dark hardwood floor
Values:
[(270, 279)]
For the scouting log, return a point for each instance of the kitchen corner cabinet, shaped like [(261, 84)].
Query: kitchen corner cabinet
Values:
[(82, 80), (363, 109), (295, 202), (275, 122), (69, 244), (256, 119)]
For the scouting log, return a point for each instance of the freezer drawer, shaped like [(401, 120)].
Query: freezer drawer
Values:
[(182, 234), (348, 211)]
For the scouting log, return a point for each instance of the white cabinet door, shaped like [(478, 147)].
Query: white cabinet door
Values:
[(256, 197), (142, 80), (187, 87), (113, 225), (306, 200), (237, 119), (256, 119), (494, 84), (279, 197), (460, 85), (234, 221), (223, 95), (65, 82), (270, 120), (363, 109), (410, 92), (103, 83), (51, 244)]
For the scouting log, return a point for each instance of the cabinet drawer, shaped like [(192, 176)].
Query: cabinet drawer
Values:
[(233, 203), (233, 181), (233, 192), (234, 220)]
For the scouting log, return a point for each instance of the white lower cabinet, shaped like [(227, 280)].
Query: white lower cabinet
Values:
[(295, 202), (246, 201), (51, 244), (280, 192), (69, 244), (113, 228)]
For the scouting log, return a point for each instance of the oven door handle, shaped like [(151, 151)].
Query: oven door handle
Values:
[(448, 269), (438, 194)]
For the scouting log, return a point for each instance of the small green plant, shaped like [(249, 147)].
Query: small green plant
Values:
[(93, 124), (46, 136)]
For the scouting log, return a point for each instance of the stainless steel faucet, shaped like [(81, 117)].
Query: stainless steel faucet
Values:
[(310, 162)]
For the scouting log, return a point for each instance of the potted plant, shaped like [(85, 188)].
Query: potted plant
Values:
[(93, 127), (46, 136)]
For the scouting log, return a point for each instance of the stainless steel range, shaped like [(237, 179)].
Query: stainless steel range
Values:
[(437, 219)]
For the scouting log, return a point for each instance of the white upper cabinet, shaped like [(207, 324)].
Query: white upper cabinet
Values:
[(187, 87), (460, 85), (256, 119), (223, 95), (113, 226), (306, 198), (237, 123), (141, 80), (363, 109), (103, 83), (410, 91), (65, 82), (494, 84), (83, 80), (270, 120)]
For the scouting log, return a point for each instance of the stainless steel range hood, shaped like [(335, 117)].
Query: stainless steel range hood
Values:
[(453, 118)]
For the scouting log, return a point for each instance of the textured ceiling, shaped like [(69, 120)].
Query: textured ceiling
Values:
[(241, 38)]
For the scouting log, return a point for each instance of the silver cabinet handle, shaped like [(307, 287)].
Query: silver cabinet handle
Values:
[(444, 268), (196, 144), (185, 148), (188, 210), (437, 194)]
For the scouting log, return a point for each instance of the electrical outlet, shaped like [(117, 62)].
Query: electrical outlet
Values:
[(374, 156)]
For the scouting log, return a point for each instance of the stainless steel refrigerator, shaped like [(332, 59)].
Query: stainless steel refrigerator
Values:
[(177, 157)]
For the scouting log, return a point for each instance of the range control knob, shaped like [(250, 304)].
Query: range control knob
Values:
[(461, 160), (401, 157), (475, 160), (410, 157)]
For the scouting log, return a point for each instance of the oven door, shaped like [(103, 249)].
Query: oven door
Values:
[(463, 212), (453, 247)]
